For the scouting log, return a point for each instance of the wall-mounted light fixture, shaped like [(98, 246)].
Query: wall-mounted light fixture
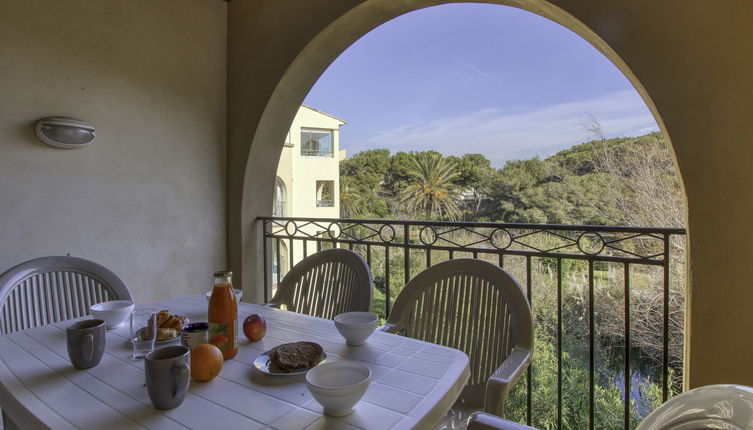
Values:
[(62, 132)]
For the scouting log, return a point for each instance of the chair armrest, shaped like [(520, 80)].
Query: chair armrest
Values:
[(272, 305), (484, 421), (502, 380), (389, 328)]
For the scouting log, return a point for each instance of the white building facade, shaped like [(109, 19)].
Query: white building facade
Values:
[(307, 183)]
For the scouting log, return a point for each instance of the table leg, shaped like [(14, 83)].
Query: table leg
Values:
[(8, 424)]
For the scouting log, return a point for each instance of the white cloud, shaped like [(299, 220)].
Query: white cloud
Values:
[(502, 135)]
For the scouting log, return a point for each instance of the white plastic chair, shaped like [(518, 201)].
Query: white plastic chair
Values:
[(478, 308), (326, 284), (485, 421), (51, 289), (728, 407)]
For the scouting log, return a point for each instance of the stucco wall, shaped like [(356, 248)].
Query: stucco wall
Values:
[(691, 59), (147, 198)]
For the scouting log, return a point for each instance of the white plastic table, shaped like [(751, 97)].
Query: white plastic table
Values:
[(413, 384)]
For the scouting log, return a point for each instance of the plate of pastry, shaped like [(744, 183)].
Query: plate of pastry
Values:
[(290, 359), (168, 326)]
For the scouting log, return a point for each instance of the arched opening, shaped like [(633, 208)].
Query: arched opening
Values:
[(311, 62), (306, 68)]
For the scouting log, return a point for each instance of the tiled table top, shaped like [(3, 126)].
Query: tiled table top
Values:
[(413, 383)]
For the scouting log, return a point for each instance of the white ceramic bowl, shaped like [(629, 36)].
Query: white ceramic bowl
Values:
[(356, 327), (338, 386), (238, 294), (114, 313)]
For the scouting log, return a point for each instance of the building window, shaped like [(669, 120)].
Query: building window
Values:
[(279, 201), (325, 194), (316, 143)]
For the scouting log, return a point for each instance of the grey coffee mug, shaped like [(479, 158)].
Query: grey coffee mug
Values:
[(86, 343), (167, 375)]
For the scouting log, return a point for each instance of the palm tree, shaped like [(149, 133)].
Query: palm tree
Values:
[(431, 191), (349, 198)]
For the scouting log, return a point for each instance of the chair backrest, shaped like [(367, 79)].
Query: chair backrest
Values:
[(327, 283), (721, 406), (468, 304), (51, 289)]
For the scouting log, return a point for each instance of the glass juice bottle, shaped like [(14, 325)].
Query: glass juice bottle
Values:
[(223, 315)]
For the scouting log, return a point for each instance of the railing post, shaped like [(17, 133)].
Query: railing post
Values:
[(559, 343), (406, 253), (264, 228), (627, 346), (591, 344), (529, 372), (279, 261), (387, 280), (665, 354), (291, 254)]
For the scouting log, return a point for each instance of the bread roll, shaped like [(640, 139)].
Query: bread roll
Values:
[(162, 316), (166, 334), (165, 319)]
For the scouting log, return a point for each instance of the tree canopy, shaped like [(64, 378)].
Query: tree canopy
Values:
[(619, 181), (431, 191)]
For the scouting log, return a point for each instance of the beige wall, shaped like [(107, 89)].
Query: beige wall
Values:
[(692, 58), (147, 198)]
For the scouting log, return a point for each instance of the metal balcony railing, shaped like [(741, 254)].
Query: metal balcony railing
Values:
[(325, 203), (323, 152), (569, 264)]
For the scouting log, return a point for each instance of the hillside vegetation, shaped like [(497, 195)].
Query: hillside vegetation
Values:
[(621, 181)]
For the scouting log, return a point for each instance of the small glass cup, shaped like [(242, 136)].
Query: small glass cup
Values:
[(143, 331)]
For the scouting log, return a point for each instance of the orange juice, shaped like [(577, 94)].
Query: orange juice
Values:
[(223, 315)]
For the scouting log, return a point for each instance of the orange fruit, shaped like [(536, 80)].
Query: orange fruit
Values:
[(206, 362)]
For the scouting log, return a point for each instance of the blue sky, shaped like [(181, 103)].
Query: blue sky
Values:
[(465, 78)]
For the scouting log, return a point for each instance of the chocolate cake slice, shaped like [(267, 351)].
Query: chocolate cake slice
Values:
[(291, 356)]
